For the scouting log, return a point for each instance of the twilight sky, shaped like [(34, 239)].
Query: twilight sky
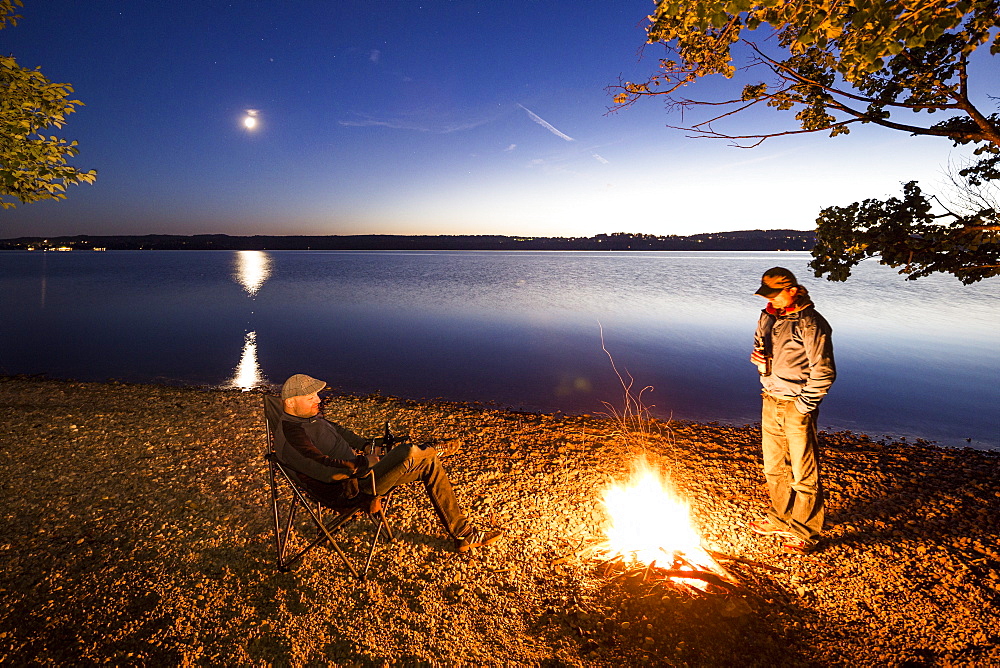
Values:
[(441, 117)]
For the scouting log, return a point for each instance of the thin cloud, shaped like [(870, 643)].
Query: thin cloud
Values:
[(510, 148), (600, 159), (545, 124), (400, 124), (758, 159), (374, 56)]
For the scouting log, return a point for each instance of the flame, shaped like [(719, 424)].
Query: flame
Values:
[(649, 522)]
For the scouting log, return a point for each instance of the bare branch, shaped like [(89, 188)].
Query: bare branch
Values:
[(712, 134)]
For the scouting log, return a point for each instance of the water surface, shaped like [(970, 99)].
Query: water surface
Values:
[(519, 329)]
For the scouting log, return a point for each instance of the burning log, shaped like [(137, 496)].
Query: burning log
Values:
[(651, 540), (611, 563), (647, 521), (705, 576)]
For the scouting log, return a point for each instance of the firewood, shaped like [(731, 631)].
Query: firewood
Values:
[(748, 562), (704, 576)]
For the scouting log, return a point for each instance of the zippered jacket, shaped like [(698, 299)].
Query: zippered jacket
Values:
[(799, 341), (322, 450)]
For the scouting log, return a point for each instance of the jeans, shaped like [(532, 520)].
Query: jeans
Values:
[(410, 463), (791, 467)]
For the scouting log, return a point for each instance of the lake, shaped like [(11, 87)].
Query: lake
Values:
[(517, 329)]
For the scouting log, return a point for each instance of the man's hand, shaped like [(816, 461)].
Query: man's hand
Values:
[(372, 460), (799, 406), (762, 361)]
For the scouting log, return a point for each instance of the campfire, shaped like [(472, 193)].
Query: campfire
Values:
[(650, 533)]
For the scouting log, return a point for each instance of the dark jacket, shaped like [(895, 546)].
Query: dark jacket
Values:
[(323, 453)]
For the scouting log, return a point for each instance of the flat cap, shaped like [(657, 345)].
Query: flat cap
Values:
[(300, 385)]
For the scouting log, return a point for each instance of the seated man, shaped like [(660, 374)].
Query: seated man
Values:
[(329, 457)]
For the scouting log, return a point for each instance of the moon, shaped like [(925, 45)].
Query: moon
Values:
[(250, 119)]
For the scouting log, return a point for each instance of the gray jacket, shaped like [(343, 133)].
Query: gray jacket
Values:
[(802, 355)]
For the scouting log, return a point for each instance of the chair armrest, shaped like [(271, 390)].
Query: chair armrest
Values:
[(370, 474)]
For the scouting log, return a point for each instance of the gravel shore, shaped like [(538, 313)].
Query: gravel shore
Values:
[(136, 531)]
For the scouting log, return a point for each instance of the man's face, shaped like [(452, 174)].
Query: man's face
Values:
[(783, 299), (304, 406)]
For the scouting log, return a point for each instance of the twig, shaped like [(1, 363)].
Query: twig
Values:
[(748, 562), (634, 419)]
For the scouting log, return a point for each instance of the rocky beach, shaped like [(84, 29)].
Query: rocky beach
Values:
[(136, 531)]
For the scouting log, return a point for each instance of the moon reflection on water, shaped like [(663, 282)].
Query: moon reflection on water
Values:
[(248, 374), (252, 269)]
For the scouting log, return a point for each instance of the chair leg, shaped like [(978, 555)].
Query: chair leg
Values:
[(281, 538), (279, 543), (378, 531), (336, 546), (287, 532), (382, 523), (327, 534), (386, 502)]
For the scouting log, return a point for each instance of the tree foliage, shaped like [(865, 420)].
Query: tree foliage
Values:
[(837, 63), (33, 166), (906, 233)]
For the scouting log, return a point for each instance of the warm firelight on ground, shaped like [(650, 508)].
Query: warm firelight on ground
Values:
[(649, 523)]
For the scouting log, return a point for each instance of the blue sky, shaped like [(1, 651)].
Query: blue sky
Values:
[(442, 117)]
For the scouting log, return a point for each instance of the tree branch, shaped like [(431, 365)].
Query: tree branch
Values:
[(785, 72)]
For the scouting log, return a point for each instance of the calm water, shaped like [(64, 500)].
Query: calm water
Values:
[(915, 359)]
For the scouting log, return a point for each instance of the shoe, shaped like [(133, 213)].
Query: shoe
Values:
[(477, 538), (765, 527), (798, 546)]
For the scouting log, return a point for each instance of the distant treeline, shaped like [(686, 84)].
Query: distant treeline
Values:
[(762, 240)]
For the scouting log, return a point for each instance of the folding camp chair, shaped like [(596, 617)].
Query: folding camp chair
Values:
[(285, 509)]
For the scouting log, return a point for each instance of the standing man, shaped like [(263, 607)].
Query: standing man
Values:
[(793, 352)]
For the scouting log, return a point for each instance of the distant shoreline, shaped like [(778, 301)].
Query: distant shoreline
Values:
[(749, 240)]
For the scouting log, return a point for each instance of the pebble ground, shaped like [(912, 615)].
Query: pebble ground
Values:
[(135, 530)]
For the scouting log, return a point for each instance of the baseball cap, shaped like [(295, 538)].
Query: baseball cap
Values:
[(774, 281), (300, 385)]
